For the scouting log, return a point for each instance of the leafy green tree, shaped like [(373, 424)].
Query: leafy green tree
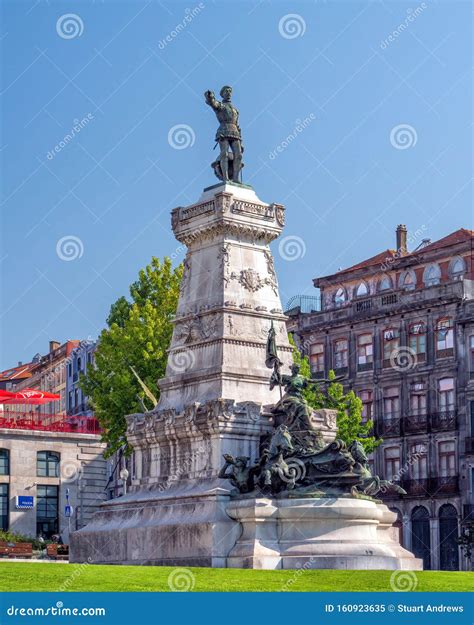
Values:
[(138, 335), (349, 407)]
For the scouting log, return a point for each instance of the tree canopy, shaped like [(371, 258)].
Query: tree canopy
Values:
[(138, 335)]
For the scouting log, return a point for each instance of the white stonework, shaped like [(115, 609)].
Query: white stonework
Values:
[(341, 533)]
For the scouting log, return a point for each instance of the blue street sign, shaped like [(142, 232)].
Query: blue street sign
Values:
[(24, 502), (68, 511)]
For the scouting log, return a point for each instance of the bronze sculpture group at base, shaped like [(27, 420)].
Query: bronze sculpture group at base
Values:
[(294, 460)]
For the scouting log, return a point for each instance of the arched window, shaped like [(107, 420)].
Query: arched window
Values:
[(4, 462), (408, 280), (362, 290), (385, 284), (432, 275), (457, 268), (448, 533), (47, 464), (340, 297)]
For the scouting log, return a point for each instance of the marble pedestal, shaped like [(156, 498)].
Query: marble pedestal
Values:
[(215, 394), (342, 533)]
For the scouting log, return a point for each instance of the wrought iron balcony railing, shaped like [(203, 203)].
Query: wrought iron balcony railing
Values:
[(389, 426), (415, 423), (445, 420), (18, 420)]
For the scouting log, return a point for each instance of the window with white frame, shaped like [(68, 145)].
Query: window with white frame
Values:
[(391, 402), (341, 354), (367, 404), (316, 358), (392, 463), (391, 343), (446, 458), (444, 337), (418, 461), (446, 394), (365, 351)]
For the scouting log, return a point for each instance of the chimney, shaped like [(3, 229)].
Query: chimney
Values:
[(19, 363), (54, 345), (402, 240)]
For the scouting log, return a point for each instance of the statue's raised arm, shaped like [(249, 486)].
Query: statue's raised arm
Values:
[(211, 100)]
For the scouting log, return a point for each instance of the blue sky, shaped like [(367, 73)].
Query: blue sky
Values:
[(347, 179)]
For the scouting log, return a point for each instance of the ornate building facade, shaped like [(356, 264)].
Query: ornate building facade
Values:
[(399, 329)]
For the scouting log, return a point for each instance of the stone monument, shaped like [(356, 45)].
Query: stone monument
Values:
[(229, 471)]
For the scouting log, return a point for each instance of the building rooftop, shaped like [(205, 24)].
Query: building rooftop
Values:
[(462, 235), (20, 372)]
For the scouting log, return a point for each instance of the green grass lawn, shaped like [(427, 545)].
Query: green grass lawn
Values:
[(85, 577)]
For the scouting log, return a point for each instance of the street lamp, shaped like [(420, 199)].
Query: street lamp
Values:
[(124, 477)]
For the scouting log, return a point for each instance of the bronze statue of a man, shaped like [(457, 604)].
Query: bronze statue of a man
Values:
[(229, 163)]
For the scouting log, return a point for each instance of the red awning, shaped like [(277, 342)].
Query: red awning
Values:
[(27, 396)]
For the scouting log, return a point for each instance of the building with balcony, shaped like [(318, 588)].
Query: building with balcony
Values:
[(399, 329), (44, 373), (52, 470), (80, 359)]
